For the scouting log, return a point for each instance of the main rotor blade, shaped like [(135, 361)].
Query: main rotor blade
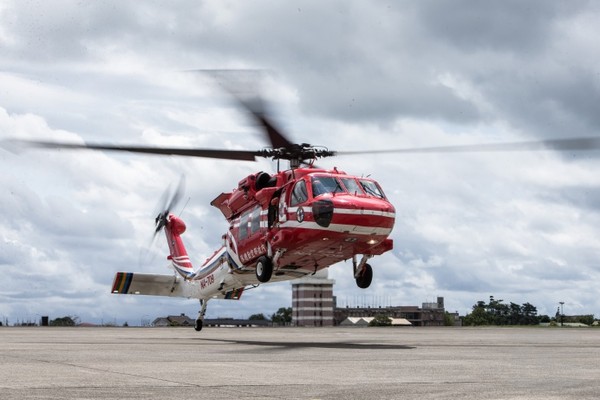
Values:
[(242, 155), (573, 144), (277, 139), (240, 84)]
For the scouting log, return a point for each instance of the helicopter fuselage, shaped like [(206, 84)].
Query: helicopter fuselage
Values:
[(303, 220)]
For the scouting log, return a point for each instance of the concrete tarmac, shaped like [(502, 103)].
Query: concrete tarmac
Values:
[(299, 363)]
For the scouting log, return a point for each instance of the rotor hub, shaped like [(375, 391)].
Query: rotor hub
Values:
[(298, 154)]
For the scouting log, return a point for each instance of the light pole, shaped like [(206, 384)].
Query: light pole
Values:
[(562, 313)]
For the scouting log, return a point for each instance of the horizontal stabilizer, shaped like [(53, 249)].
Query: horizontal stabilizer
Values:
[(149, 284)]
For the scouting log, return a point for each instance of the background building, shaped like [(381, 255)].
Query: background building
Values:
[(313, 304), (173, 320), (312, 300), (429, 314)]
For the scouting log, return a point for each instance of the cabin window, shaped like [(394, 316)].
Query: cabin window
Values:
[(299, 194), (255, 221), (243, 230), (325, 184), (352, 186), (371, 188)]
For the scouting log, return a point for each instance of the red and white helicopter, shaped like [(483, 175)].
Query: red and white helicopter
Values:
[(282, 226), (285, 225)]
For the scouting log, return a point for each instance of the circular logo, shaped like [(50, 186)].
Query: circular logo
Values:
[(300, 214)]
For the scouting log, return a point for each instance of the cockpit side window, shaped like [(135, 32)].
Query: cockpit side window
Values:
[(299, 194), (325, 184), (371, 188), (352, 186)]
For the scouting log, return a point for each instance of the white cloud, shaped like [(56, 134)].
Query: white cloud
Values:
[(519, 226)]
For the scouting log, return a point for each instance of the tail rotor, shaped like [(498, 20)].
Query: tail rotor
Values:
[(169, 200)]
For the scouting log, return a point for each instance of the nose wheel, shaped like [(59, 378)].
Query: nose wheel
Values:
[(363, 273)]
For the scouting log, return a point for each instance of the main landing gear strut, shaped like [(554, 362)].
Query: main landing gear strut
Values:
[(200, 320), (363, 273)]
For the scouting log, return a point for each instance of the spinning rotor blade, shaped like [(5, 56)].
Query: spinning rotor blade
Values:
[(177, 194), (240, 84), (574, 144), (167, 203), (256, 109), (206, 153)]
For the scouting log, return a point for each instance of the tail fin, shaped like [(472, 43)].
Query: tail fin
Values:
[(178, 255)]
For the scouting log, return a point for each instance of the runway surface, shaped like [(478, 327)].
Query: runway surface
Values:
[(299, 363)]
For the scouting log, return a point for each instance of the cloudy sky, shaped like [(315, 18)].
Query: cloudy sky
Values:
[(348, 75)]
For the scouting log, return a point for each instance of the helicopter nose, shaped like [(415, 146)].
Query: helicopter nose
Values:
[(364, 215), (355, 215)]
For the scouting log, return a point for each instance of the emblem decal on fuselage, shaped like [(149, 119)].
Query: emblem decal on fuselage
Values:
[(300, 214)]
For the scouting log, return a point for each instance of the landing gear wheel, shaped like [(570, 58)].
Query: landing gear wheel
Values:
[(198, 325), (363, 280), (264, 269)]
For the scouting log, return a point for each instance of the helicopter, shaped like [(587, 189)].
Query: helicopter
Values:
[(282, 226), (285, 225)]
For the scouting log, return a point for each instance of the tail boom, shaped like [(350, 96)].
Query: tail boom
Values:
[(213, 280)]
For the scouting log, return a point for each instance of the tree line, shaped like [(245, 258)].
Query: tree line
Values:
[(283, 316), (496, 312)]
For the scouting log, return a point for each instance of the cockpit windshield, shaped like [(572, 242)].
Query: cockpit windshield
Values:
[(325, 184), (357, 187)]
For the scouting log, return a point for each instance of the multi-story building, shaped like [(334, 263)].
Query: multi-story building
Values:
[(312, 300)]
